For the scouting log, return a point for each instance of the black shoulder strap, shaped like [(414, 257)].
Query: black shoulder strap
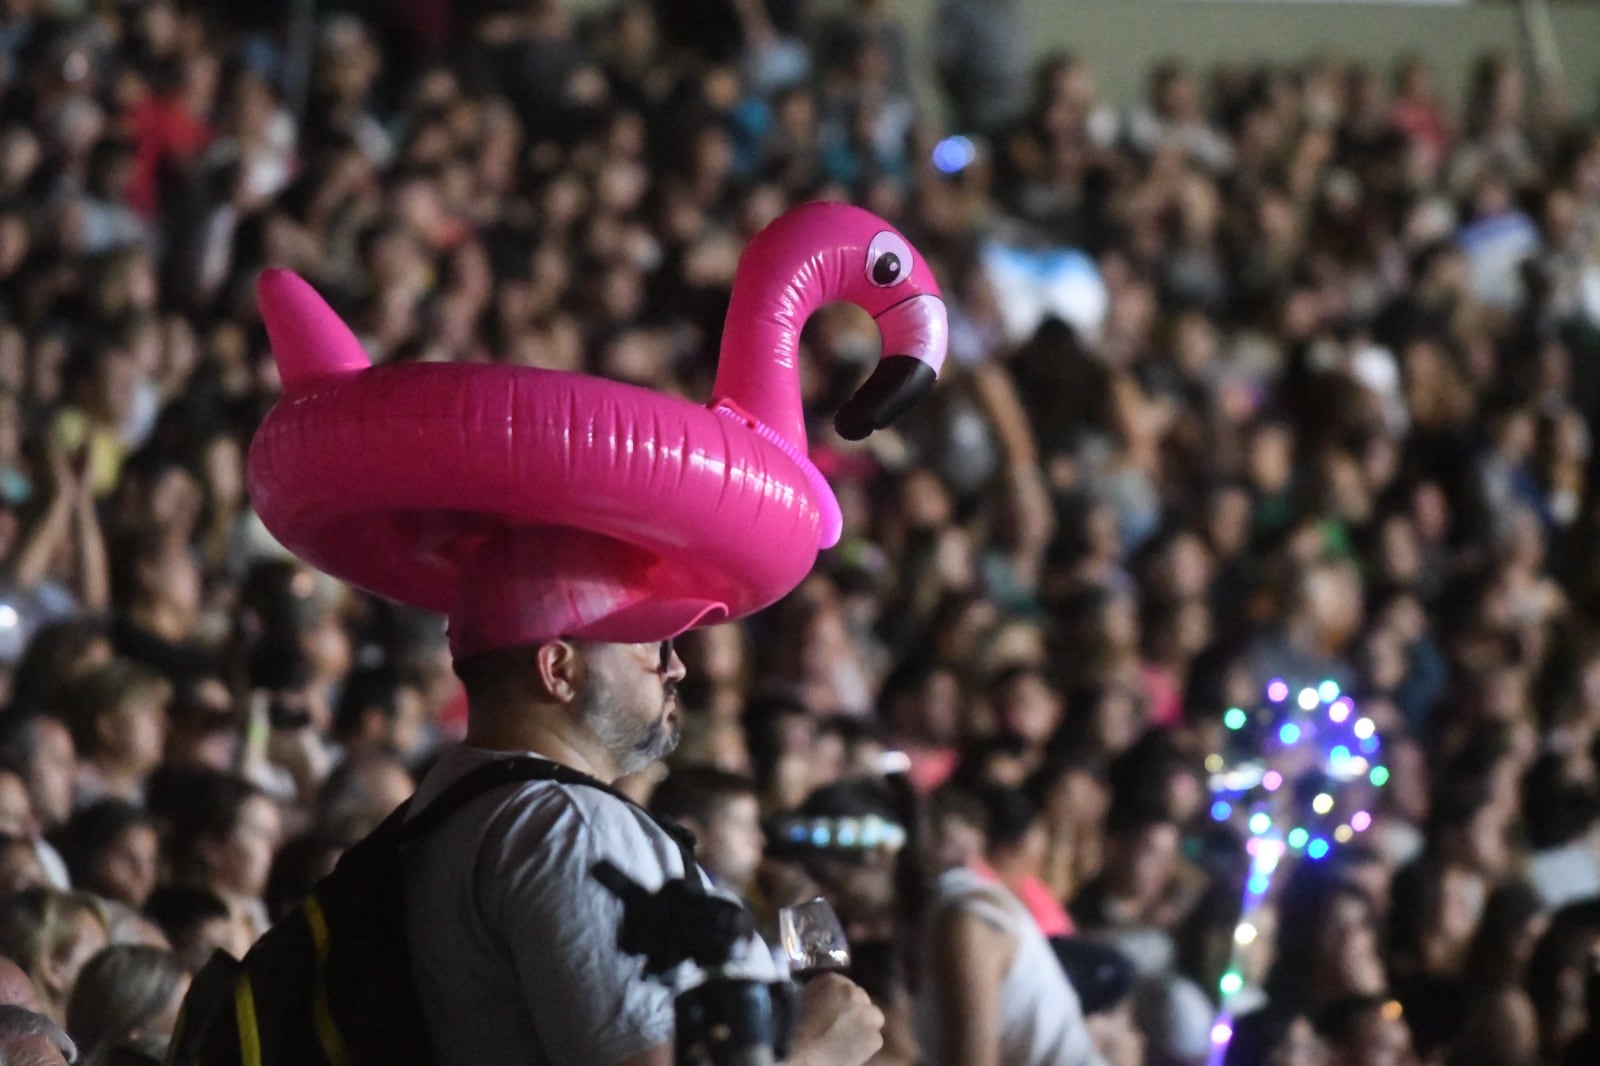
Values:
[(522, 768)]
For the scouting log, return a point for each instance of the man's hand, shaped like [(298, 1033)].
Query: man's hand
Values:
[(838, 1025)]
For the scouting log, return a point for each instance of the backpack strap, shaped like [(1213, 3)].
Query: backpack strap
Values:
[(523, 768)]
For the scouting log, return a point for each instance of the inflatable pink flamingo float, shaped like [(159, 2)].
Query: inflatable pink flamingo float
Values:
[(530, 504)]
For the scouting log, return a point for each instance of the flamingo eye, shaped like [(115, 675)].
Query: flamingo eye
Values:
[(888, 260)]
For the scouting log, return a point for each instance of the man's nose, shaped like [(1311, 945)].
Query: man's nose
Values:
[(675, 668)]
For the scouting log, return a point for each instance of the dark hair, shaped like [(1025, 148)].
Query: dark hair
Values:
[(279, 599), (38, 924), (1205, 693), (131, 553), (698, 792), (181, 910), (366, 690), (1308, 899), (145, 1051), (1339, 1021), (762, 732), (105, 690), (1058, 762), (486, 669), (93, 829), (345, 808), (856, 798), (296, 869), (850, 729), (1008, 815), (1017, 672), (905, 680), (19, 740), (42, 678), (194, 805), (971, 772), (1555, 808), (1257, 1034), (1456, 802), (1129, 821), (279, 662), (121, 991), (951, 801), (1493, 959), (1141, 777), (106, 153)]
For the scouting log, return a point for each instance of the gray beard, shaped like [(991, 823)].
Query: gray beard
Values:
[(631, 745)]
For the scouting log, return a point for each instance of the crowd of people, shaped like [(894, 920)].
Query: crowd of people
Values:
[(1319, 404)]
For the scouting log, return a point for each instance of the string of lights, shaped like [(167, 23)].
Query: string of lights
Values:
[(1296, 777)]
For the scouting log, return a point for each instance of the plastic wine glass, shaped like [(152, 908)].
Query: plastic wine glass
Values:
[(813, 939)]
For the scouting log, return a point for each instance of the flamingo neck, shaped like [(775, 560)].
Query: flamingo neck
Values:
[(758, 371), (785, 274)]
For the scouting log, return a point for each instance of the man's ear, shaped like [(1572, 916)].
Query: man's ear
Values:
[(560, 669)]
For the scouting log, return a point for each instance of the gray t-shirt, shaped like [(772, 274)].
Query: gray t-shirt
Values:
[(514, 943)]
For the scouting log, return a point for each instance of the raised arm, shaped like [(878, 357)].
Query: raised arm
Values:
[(93, 565), (38, 547)]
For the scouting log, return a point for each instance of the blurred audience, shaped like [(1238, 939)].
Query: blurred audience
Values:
[(1284, 372)]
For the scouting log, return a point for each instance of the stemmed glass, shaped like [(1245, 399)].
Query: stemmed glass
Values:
[(813, 939)]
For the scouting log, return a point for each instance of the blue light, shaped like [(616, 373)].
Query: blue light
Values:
[(819, 836), (1260, 822), (1317, 848), (954, 154), (1339, 754), (1235, 718), (1258, 884), (1297, 837), (1220, 810), (1329, 691), (798, 833), (1290, 733), (1369, 745)]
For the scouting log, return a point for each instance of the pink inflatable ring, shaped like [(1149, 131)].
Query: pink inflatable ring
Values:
[(531, 504)]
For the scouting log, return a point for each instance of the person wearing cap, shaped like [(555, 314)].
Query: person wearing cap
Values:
[(513, 941)]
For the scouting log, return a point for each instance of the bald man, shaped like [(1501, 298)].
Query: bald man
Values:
[(30, 1039), (16, 987)]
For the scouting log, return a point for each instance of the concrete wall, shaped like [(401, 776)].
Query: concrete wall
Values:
[(1123, 38)]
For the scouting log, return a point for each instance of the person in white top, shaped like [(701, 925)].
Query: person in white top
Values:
[(998, 994), (994, 992), (513, 942)]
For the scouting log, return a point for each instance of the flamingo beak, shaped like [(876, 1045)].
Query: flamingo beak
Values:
[(918, 326), (892, 390)]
